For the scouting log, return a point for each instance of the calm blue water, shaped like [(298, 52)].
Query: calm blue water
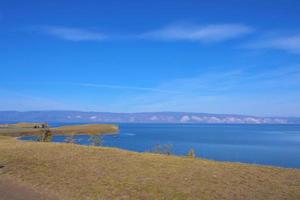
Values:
[(277, 145)]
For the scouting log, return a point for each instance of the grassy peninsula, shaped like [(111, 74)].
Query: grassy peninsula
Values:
[(20, 129)]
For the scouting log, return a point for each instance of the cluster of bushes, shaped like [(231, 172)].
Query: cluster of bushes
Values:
[(167, 149), (46, 136), (97, 140)]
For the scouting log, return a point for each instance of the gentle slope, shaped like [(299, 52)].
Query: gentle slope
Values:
[(80, 172)]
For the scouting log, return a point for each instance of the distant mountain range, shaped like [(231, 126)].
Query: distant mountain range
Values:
[(147, 117)]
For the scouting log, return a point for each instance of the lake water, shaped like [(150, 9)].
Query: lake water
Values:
[(277, 145)]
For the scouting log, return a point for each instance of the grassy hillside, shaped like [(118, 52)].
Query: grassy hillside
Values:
[(16, 130), (71, 171)]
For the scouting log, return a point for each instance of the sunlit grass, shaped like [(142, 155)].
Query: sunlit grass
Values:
[(72, 171)]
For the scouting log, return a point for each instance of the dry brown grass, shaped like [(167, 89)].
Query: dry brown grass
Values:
[(20, 129), (79, 172), (25, 125), (16, 131), (86, 129)]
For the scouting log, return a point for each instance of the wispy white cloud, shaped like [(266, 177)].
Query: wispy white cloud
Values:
[(272, 91), (287, 43), (208, 33), (232, 91), (73, 34), (122, 87)]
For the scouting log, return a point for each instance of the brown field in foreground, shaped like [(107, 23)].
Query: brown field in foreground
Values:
[(69, 171)]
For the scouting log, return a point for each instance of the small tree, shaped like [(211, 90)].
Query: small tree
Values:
[(191, 153), (70, 139), (166, 149), (46, 135), (96, 140)]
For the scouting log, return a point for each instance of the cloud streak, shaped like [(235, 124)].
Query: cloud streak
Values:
[(73, 34), (122, 87), (287, 43), (265, 92), (209, 33), (227, 91)]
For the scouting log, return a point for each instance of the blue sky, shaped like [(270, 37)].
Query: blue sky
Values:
[(230, 56)]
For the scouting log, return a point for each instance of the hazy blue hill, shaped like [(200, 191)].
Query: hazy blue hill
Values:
[(145, 117)]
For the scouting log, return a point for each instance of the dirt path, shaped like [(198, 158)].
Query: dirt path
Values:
[(12, 190)]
